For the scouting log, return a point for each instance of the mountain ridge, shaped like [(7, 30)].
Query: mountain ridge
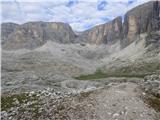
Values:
[(141, 19)]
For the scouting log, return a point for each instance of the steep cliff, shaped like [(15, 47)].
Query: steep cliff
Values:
[(105, 33), (33, 34), (142, 19)]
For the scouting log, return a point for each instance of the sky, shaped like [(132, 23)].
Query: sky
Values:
[(80, 14)]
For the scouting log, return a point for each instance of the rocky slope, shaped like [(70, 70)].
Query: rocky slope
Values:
[(7, 29), (142, 19)]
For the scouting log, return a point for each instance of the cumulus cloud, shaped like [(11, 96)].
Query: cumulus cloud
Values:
[(80, 14)]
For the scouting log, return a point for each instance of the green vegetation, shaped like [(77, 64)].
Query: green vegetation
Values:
[(99, 74), (139, 71), (9, 101), (34, 104)]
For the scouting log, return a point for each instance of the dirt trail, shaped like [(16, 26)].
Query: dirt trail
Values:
[(119, 102), (115, 101)]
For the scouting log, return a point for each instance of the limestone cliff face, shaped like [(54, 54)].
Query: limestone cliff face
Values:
[(144, 18), (33, 34), (106, 33)]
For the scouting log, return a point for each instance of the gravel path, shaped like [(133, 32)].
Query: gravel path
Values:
[(116, 101), (119, 102)]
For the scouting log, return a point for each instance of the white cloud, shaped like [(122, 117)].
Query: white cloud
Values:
[(82, 15)]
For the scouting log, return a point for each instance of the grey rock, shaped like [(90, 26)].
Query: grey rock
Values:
[(6, 30), (106, 33), (142, 19), (34, 34), (151, 84)]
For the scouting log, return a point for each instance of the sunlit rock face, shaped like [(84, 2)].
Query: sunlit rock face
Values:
[(142, 19), (33, 34), (105, 33)]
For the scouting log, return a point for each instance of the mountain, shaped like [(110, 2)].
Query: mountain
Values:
[(104, 34), (7, 29), (142, 19), (33, 34), (112, 72)]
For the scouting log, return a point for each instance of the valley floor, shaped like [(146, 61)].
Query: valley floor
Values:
[(42, 84)]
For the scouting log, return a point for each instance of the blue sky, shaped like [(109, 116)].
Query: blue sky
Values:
[(80, 14)]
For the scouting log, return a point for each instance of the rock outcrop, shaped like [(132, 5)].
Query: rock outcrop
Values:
[(105, 33), (33, 34), (142, 19)]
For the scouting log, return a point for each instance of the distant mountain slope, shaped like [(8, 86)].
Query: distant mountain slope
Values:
[(7, 29), (142, 19), (33, 34)]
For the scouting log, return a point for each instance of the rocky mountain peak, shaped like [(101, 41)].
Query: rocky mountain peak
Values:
[(142, 19)]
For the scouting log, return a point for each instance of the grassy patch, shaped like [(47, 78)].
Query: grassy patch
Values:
[(99, 74), (9, 101), (33, 107), (138, 70)]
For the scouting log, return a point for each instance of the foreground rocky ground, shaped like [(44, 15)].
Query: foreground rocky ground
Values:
[(108, 98)]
